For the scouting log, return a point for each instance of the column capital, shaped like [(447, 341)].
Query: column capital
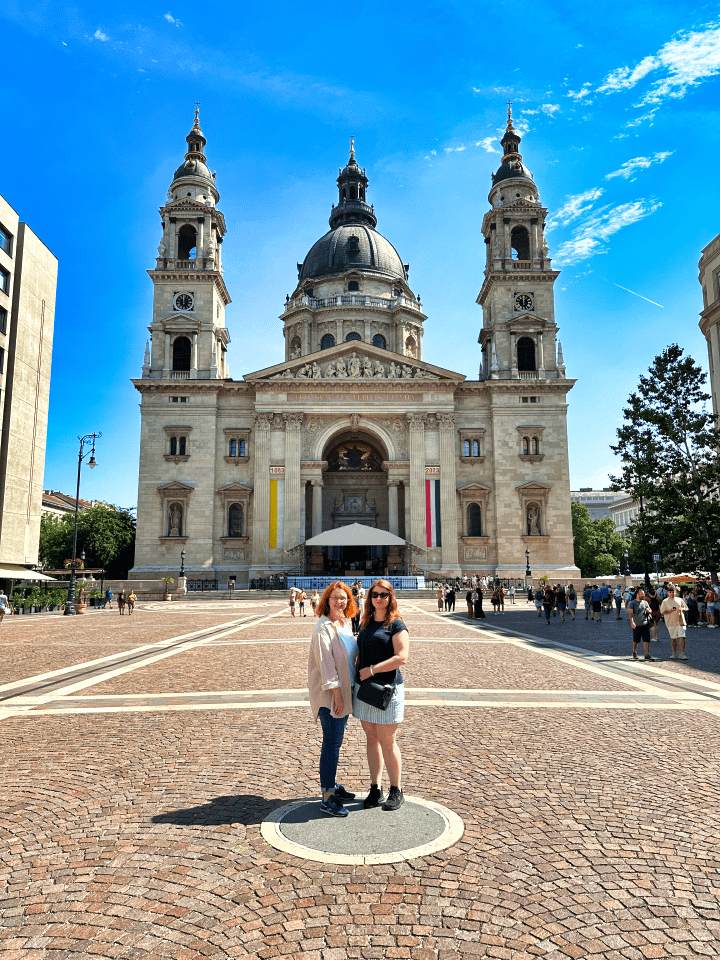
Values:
[(263, 420), (393, 483), (293, 421), (317, 483), (416, 421), (446, 420)]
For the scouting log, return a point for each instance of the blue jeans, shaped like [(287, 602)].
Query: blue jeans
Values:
[(333, 729)]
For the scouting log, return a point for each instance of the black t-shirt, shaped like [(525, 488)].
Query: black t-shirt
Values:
[(375, 643)]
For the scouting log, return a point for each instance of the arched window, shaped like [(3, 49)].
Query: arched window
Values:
[(233, 448), (520, 243), (242, 448), (525, 354), (466, 448), (344, 194), (181, 353), (380, 341), (474, 520), (327, 341), (353, 191), (476, 448), (186, 242), (535, 445), (173, 446), (353, 285), (526, 446), (353, 336), (181, 446), (235, 520)]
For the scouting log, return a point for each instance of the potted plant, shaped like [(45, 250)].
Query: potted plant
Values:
[(167, 581)]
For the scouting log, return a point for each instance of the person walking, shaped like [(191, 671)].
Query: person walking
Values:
[(673, 609), (131, 598), (655, 615), (450, 598), (710, 607), (604, 597), (587, 598), (548, 602), (501, 598), (596, 602), (511, 593), (477, 603), (292, 597), (618, 598), (383, 644), (314, 600), (302, 597), (539, 597), (3, 604), (571, 600), (441, 598), (108, 598), (121, 602), (469, 602), (639, 614), (561, 601), (331, 675)]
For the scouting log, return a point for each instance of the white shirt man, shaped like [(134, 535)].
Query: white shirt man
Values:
[(673, 609), (3, 604)]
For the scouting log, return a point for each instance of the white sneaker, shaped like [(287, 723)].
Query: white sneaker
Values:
[(681, 656), (674, 656)]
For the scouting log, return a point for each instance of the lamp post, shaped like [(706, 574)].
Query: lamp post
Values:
[(528, 571), (182, 563), (88, 440), (626, 555)]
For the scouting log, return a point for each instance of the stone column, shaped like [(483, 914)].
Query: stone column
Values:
[(194, 357), (541, 357), (393, 517), (417, 478), (513, 356), (172, 249), (167, 365), (200, 239), (261, 497), (507, 250), (338, 330), (293, 443), (317, 488), (448, 495), (534, 246)]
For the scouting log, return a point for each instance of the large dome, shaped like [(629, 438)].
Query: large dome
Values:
[(192, 168), (352, 245)]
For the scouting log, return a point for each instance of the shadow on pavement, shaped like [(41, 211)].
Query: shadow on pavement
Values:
[(246, 809)]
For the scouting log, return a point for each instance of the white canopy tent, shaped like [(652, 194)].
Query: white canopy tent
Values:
[(355, 535)]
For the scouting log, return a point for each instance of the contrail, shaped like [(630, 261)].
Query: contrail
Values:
[(633, 293)]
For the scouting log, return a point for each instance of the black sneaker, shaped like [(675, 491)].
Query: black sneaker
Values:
[(648, 657), (342, 794), (635, 656), (333, 808), (374, 798), (394, 800)]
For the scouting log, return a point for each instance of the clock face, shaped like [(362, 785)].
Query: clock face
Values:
[(184, 301), (524, 301)]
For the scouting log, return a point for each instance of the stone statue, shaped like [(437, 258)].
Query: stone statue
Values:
[(341, 369), (379, 370), (302, 373), (406, 372), (161, 249), (330, 371), (367, 367), (533, 520), (295, 353), (354, 366), (392, 371), (175, 517), (316, 374)]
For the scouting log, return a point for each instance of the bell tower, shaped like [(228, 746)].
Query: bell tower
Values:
[(188, 337), (518, 338)]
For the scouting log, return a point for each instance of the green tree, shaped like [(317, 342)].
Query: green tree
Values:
[(106, 534), (597, 544), (669, 449)]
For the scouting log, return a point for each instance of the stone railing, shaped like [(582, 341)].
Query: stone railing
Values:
[(179, 374), (528, 375), (522, 264), (348, 300)]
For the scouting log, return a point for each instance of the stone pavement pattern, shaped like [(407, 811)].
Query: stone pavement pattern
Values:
[(591, 818)]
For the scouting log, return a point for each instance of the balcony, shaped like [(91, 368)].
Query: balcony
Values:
[(528, 375), (347, 300), (522, 264), (179, 374)]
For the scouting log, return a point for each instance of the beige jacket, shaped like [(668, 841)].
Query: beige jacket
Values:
[(673, 610), (327, 669)]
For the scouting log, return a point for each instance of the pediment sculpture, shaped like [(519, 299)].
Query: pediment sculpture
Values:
[(356, 367)]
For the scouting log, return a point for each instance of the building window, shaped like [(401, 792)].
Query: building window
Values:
[(4, 280), (243, 447), (3, 320), (380, 341), (353, 285), (353, 336), (182, 350), (2, 360), (535, 446), (6, 240), (475, 448), (181, 446), (520, 243), (186, 242), (466, 448), (327, 341), (526, 446), (474, 520), (525, 354), (233, 448), (173, 446), (235, 520)]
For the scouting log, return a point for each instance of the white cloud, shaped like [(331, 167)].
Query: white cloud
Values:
[(171, 19), (689, 58), (638, 163), (581, 94), (575, 207), (99, 35), (650, 115), (550, 108), (591, 237), (489, 144)]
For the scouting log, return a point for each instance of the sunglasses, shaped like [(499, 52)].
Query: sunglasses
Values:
[(379, 596)]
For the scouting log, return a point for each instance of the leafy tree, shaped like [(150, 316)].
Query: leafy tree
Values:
[(597, 544), (669, 447), (106, 534)]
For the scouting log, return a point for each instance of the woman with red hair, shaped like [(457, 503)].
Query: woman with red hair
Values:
[(331, 675), (383, 648)]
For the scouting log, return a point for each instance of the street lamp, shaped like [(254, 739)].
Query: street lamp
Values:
[(528, 571), (182, 563), (626, 555), (88, 439)]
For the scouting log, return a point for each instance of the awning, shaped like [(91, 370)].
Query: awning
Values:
[(22, 573), (355, 535)]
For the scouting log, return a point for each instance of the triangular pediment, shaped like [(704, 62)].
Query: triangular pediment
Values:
[(235, 487), (355, 360), (474, 488), (176, 486), (532, 486)]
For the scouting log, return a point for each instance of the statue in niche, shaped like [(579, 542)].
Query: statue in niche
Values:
[(316, 374), (406, 372), (330, 371), (341, 369), (295, 353), (379, 370), (393, 371), (175, 520), (354, 367), (533, 520)]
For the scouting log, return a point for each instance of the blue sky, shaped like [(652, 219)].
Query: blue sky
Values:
[(618, 106)]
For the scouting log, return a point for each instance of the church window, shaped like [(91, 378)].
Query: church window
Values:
[(186, 242), (173, 446), (309, 292), (520, 243), (526, 446), (474, 520), (353, 191), (475, 448), (233, 448), (181, 353), (243, 447), (353, 285), (535, 445), (235, 520), (344, 194), (327, 341), (380, 341), (525, 354), (182, 446), (466, 448), (353, 336)]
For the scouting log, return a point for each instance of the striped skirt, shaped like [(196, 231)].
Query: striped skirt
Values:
[(395, 712)]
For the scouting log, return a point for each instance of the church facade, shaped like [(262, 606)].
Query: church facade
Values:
[(353, 424)]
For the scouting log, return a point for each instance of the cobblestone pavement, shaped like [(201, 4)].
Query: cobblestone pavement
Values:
[(588, 785)]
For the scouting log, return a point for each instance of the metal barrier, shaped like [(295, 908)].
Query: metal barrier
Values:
[(202, 585), (269, 583)]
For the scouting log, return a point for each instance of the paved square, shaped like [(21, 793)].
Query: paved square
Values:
[(139, 758)]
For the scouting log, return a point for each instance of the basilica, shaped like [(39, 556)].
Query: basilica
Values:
[(353, 425)]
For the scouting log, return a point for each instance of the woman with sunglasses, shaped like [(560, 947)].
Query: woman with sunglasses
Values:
[(331, 675), (383, 643)]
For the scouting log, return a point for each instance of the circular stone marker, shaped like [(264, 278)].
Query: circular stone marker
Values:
[(419, 828)]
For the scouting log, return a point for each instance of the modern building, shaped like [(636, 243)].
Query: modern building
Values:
[(28, 281), (709, 268), (353, 424), (598, 502), (624, 512)]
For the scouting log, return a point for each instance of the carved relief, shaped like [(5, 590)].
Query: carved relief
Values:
[(233, 553), (475, 553), (356, 367)]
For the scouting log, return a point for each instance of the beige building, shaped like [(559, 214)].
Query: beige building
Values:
[(709, 267), (28, 280), (599, 503), (624, 512), (353, 424)]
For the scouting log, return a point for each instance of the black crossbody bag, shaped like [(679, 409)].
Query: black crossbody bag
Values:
[(373, 693)]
